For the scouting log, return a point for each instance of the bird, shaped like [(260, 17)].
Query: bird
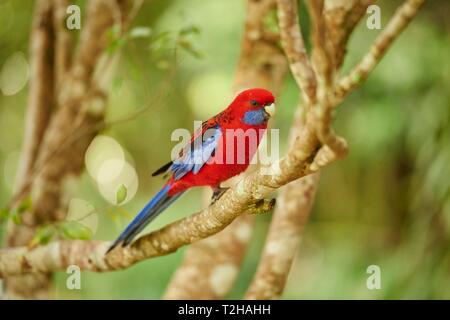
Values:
[(220, 149)]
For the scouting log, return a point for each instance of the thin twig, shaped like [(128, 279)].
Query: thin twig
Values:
[(402, 17), (294, 48)]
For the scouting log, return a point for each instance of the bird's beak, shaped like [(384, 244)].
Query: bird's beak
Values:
[(270, 109)]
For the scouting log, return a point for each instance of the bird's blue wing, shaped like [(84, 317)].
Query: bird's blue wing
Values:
[(197, 153)]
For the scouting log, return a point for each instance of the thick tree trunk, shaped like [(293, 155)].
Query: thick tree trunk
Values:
[(62, 100)]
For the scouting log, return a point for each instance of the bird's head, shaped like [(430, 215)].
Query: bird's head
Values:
[(254, 106)]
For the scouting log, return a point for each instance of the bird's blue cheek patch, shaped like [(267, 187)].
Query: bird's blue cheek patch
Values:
[(254, 117)]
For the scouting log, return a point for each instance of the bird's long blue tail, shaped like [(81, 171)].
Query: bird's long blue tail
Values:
[(156, 205)]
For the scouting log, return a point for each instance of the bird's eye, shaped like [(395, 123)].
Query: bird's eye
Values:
[(254, 103)]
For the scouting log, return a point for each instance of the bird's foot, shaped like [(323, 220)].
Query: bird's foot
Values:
[(217, 193), (261, 206)]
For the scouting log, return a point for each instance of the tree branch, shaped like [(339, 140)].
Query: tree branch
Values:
[(341, 18), (322, 59), (90, 255), (208, 272), (76, 99), (290, 216), (40, 103), (63, 42), (38, 113), (402, 17), (81, 103), (324, 66), (248, 193), (295, 200), (294, 48)]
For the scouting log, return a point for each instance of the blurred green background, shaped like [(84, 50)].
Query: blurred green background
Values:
[(386, 204)]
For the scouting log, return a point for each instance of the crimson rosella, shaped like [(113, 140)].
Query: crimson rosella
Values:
[(222, 148)]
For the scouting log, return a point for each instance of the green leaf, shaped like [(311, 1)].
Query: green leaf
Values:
[(113, 32), (162, 36), (121, 194), (187, 30), (270, 21), (115, 45), (140, 32), (115, 40), (15, 217), (161, 44), (190, 48), (43, 235), (4, 213), (357, 78), (25, 205), (75, 230)]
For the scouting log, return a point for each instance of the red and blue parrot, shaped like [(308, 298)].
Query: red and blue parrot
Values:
[(212, 156)]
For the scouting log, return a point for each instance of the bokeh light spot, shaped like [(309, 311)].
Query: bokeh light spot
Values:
[(104, 149), (108, 187), (110, 170), (205, 103), (14, 74)]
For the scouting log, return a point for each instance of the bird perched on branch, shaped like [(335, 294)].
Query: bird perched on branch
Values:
[(222, 148)]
